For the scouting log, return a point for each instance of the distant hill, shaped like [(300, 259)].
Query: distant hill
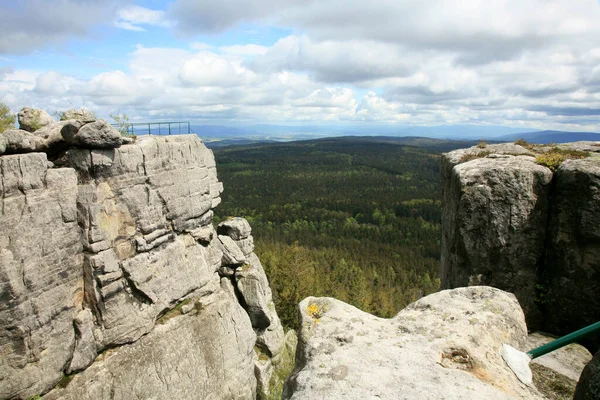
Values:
[(545, 137), (218, 143)]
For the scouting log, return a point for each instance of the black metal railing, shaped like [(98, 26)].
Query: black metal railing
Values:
[(156, 128)]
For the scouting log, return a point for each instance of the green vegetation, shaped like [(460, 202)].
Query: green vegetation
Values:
[(175, 312), (122, 120), (555, 157), (7, 119), (472, 156), (353, 218), (36, 118)]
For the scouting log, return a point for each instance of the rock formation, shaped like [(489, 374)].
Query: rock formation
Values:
[(444, 346), (512, 223), (114, 282), (589, 383)]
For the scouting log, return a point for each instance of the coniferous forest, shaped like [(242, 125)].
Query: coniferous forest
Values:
[(353, 218)]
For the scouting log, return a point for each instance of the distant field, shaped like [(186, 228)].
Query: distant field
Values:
[(353, 218)]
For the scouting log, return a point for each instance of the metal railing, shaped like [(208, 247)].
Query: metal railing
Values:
[(157, 128)]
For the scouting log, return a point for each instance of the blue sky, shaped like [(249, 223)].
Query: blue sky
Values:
[(519, 63)]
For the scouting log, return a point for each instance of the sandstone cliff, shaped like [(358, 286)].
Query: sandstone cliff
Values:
[(114, 282), (444, 346), (512, 223)]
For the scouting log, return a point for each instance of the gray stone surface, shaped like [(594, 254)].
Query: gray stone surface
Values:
[(40, 273), (588, 387), (571, 279), (82, 115), (109, 272), (14, 141), (444, 346), (236, 228), (85, 343), (232, 255), (513, 224), (494, 213), (254, 289), (32, 119), (203, 355), (93, 135)]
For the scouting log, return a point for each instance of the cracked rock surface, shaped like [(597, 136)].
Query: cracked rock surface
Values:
[(109, 271), (443, 346)]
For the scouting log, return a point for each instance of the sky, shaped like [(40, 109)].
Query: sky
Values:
[(517, 63)]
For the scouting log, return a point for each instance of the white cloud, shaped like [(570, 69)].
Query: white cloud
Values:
[(515, 62), (31, 24), (201, 46), (131, 17), (244, 50)]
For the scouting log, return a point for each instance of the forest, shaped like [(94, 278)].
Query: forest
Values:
[(355, 218)]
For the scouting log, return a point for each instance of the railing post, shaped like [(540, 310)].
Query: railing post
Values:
[(149, 133), (169, 128), (189, 129)]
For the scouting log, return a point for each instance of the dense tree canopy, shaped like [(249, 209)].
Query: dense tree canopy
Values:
[(353, 218)]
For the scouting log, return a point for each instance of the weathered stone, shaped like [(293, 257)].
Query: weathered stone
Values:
[(246, 245), (51, 135), (85, 343), (444, 346), (254, 289), (82, 115), (494, 214), (232, 255), (236, 228), (588, 386), (94, 135), (568, 361), (204, 234), (106, 264), (14, 141), (272, 339), (208, 355), (32, 119), (272, 373), (571, 277), (40, 273)]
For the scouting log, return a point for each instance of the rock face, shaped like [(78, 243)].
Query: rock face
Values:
[(32, 119), (588, 386), (511, 223), (249, 282), (39, 132), (41, 283), (444, 346), (109, 271), (207, 353)]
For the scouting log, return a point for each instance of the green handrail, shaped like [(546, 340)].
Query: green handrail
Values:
[(563, 341)]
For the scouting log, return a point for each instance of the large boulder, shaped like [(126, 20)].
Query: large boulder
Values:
[(82, 115), (32, 119), (571, 276), (94, 135), (40, 273), (508, 221), (444, 346), (588, 386), (236, 228), (494, 215), (206, 353)]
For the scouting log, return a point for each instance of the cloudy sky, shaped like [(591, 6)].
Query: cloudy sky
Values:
[(520, 63)]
